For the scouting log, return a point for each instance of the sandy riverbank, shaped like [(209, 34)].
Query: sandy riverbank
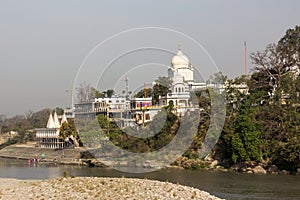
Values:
[(97, 188)]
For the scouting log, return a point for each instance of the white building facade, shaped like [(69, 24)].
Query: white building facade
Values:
[(49, 137), (181, 72)]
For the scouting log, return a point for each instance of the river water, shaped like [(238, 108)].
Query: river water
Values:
[(225, 185)]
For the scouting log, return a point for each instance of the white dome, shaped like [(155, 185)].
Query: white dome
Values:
[(180, 60)]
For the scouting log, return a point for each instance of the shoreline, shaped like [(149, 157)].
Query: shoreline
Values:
[(98, 188), (74, 157)]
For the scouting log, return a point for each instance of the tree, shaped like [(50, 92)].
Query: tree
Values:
[(278, 119), (291, 88), (204, 101), (217, 78), (234, 93), (289, 47), (58, 110), (110, 93), (92, 135), (164, 125), (27, 122), (83, 92), (68, 131), (4, 129), (161, 88), (96, 93), (39, 119), (275, 62), (272, 67), (2, 120), (86, 93), (141, 93), (247, 135)]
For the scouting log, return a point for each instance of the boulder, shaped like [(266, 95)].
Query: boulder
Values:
[(243, 170), (259, 170), (223, 170), (285, 172), (273, 169), (248, 169), (213, 163), (239, 166), (208, 158)]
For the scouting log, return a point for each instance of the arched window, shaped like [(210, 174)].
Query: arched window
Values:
[(179, 90), (175, 90)]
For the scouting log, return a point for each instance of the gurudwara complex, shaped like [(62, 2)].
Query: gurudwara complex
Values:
[(132, 111)]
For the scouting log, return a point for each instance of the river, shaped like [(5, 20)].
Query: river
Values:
[(225, 185)]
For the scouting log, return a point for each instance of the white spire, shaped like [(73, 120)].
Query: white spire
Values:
[(56, 121), (64, 119), (50, 123)]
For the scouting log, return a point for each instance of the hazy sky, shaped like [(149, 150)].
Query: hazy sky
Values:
[(43, 43)]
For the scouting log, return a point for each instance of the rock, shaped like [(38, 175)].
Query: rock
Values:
[(214, 163), (208, 158), (239, 166), (251, 164), (223, 170), (173, 167), (249, 169), (259, 170), (264, 163), (285, 172), (273, 169)]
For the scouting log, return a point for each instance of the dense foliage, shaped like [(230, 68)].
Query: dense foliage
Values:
[(160, 133), (29, 121), (160, 88), (264, 124)]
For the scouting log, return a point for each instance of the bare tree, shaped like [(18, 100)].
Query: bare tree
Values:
[(270, 64), (83, 92)]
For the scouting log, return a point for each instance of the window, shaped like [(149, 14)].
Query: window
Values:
[(147, 117)]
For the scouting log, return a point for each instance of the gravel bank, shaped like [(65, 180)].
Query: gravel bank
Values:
[(97, 188)]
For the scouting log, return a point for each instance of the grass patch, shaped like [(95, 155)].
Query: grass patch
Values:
[(65, 174)]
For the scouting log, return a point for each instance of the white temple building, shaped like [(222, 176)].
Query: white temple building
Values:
[(181, 73), (49, 137)]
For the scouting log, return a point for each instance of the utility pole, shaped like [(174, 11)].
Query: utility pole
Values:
[(70, 91), (126, 88)]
